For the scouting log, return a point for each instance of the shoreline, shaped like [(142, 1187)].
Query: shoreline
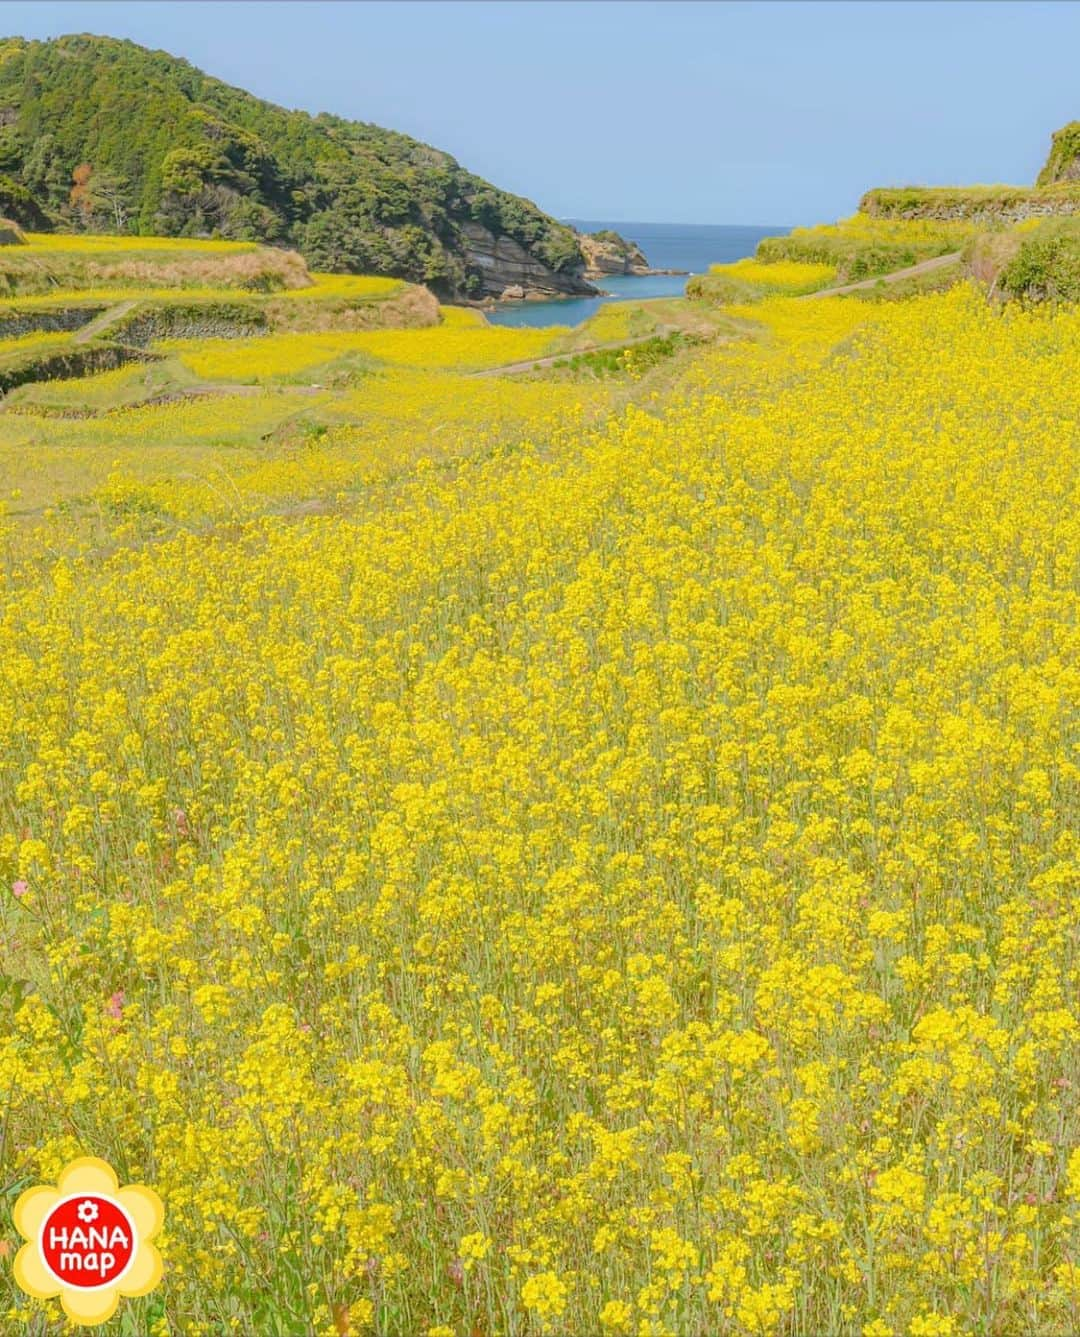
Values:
[(495, 304), (535, 297), (595, 275)]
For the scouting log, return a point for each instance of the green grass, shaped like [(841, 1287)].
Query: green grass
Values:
[(1064, 155), (617, 321), (721, 290), (633, 359), (1046, 264), (919, 285), (55, 357), (88, 396)]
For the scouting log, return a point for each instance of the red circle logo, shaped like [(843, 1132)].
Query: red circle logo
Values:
[(87, 1241)]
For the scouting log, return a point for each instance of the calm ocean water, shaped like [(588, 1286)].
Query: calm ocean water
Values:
[(690, 246)]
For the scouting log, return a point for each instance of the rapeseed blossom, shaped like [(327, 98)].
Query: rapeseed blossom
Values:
[(275, 355), (609, 870), (778, 276)]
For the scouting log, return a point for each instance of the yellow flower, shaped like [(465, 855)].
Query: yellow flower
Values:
[(615, 1316), (474, 1248), (1073, 1177), (545, 1295), (901, 1187), (932, 1325)]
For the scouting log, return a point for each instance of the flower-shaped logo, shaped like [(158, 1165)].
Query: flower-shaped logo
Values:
[(88, 1241)]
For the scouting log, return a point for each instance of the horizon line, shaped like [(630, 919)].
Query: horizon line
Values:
[(667, 222)]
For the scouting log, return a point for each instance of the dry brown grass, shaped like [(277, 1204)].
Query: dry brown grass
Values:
[(987, 254), (262, 270), (26, 271)]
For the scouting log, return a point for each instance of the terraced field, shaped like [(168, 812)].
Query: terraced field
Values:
[(131, 411)]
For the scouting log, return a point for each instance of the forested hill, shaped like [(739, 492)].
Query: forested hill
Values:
[(105, 134)]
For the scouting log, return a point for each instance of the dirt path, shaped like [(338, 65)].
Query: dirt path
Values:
[(912, 271), (173, 395), (538, 363), (102, 322)]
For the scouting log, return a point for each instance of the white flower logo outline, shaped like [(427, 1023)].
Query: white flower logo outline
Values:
[(140, 1206)]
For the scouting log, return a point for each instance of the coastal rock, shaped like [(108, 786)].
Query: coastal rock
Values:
[(503, 264), (609, 253)]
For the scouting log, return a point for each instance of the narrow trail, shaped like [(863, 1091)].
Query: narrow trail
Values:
[(210, 389), (102, 322), (912, 271), (174, 395)]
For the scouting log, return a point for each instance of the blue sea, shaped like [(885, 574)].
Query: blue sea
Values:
[(690, 246)]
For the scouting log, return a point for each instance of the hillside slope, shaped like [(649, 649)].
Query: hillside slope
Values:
[(103, 133), (1063, 163)]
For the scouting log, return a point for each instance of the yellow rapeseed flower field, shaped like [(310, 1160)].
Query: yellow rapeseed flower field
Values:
[(863, 227), (620, 320), (348, 285), (780, 276), (614, 872), (33, 342), (94, 243)]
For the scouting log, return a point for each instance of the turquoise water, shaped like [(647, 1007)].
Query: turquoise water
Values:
[(690, 246)]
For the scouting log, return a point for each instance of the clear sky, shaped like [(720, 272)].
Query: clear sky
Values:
[(702, 112)]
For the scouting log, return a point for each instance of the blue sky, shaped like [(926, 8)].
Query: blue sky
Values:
[(682, 112)]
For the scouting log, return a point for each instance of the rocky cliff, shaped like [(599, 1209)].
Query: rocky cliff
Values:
[(507, 270)]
